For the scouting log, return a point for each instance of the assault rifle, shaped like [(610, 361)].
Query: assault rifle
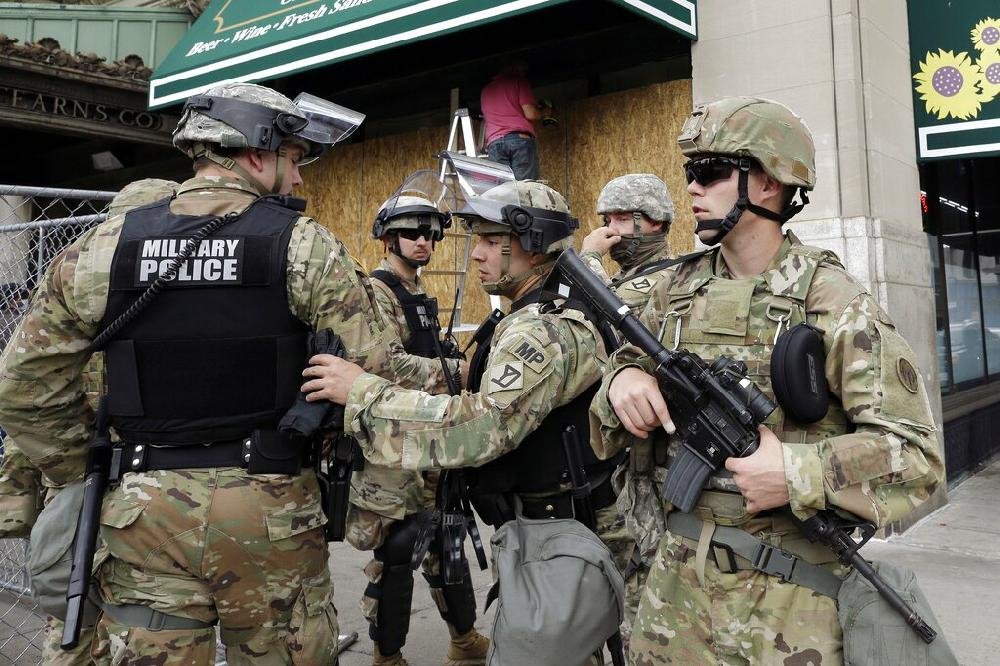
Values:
[(716, 409), (85, 542), (321, 424)]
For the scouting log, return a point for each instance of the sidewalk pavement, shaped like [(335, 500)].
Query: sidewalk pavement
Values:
[(955, 553)]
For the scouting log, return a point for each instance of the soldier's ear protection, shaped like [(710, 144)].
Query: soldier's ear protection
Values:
[(798, 374)]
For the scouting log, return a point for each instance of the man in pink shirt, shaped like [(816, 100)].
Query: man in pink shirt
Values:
[(509, 111)]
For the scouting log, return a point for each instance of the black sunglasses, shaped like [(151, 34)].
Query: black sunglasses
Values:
[(414, 234), (707, 170)]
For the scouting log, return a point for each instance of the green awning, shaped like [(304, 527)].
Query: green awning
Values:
[(253, 41)]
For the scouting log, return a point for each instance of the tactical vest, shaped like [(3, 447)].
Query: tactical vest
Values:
[(742, 318), (421, 312), (538, 464), (218, 353)]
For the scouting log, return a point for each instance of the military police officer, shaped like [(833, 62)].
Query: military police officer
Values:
[(213, 517), (23, 491), (637, 211), (386, 503), (532, 378), (872, 454)]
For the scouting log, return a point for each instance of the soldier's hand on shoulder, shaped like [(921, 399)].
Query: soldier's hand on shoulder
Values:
[(761, 475), (636, 399), (600, 240), (329, 378)]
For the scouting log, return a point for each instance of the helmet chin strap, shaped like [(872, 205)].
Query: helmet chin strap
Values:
[(507, 282), (230, 164), (743, 203)]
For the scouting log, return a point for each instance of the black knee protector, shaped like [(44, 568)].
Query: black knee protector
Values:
[(395, 589), (459, 609)]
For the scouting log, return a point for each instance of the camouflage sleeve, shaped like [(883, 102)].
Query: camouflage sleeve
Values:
[(607, 435), (891, 462), (42, 401), (20, 492), (536, 365), (593, 261), (327, 289), (391, 310)]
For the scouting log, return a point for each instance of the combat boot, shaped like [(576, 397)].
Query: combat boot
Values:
[(468, 649), (395, 659)]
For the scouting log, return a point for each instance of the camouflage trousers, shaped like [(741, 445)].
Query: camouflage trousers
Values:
[(53, 655), (745, 617), (611, 530), (218, 546), (21, 492)]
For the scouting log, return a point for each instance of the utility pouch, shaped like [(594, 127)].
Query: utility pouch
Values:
[(274, 453), (798, 374), (877, 635)]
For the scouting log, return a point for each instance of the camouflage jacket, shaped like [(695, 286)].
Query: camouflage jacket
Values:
[(538, 362), (634, 293), (42, 403), (393, 493), (875, 453)]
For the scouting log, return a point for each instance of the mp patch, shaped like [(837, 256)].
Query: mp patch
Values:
[(507, 377)]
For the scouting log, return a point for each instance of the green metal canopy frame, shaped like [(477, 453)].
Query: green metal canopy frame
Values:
[(252, 41)]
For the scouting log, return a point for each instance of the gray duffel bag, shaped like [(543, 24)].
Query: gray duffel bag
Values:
[(560, 594)]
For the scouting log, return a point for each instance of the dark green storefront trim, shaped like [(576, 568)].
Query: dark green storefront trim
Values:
[(242, 41)]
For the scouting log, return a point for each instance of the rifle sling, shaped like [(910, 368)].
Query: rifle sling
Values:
[(753, 553)]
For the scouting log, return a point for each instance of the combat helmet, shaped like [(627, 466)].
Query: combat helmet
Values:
[(639, 194), (245, 115), (529, 210), (748, 131), (422, 201)]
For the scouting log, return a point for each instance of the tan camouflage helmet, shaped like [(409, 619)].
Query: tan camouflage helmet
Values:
[(752, 127), (409, 212), (637, 192), (495, 212), (196, 128), (140, 193)]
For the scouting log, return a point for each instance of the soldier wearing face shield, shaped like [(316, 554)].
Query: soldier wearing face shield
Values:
[(202, 303), (387, 504), (534, 376)]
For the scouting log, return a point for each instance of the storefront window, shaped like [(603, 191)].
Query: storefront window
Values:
[(986, 176), (961, 206)]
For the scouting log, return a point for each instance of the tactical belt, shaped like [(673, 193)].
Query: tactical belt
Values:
[(142, 457), (561, 505), (733, 550), (137, 615)]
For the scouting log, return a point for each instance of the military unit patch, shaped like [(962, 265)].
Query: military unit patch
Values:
[(908, 376), (507, 377)]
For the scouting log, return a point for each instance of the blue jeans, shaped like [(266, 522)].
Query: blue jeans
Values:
[(517, 152)]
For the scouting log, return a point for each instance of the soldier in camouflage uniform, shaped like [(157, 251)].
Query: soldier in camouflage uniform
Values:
[(23, 491), (874, 453), (637, 210), (536, 375), (386, 503), (195, 538)]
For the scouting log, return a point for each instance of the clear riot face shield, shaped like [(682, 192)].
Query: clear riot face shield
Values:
[(487, 191), (424, 200), (327, 124)]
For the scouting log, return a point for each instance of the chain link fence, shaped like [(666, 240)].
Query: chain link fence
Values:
[(36, 224)]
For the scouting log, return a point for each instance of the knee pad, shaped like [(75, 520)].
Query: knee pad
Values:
[(456, 602), (394, 590)]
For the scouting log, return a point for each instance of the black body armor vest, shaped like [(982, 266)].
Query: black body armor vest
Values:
[(218, 353), (421, 312), (538, 464)]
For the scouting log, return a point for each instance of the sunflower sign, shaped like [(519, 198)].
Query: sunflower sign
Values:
[(955, 59)]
